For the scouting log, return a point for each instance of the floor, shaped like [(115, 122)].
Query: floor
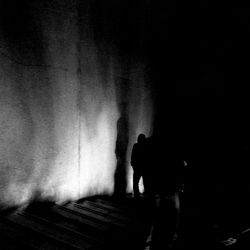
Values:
[(91, 223), (105, 222)]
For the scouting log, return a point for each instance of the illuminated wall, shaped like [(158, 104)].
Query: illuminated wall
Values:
[(59, 106)]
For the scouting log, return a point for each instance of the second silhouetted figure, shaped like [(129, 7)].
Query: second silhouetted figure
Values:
[(138, 162)]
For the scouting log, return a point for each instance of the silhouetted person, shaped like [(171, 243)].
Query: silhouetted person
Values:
[(166, 168), (138, 162), (148, 170)]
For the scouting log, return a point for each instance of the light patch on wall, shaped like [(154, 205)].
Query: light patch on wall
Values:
[(58, 120)]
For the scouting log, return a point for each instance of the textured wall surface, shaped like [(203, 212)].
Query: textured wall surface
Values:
[(60, 91)]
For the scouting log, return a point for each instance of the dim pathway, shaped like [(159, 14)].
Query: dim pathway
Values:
[(92, 223), (103, 222)]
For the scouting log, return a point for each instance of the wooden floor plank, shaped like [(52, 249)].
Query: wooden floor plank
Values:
[(89, 224)]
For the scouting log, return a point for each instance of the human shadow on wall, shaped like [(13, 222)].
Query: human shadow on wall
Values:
[(122, 137)]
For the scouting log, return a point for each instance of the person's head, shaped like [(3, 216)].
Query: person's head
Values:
[(141, 138)]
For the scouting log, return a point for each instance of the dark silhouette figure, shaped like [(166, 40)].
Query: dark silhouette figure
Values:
[(138, 162), (165, 177)]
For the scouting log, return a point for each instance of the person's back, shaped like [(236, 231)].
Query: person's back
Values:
[(168, 174), (167, 178)]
